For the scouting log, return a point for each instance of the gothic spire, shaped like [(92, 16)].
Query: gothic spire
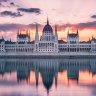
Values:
[(77, 32), (89, 39), (68, 32), (27, 32), (36, 27), (92, 37), (55, 28), (47, 21), (36, 34), (18, 32), (56, 35)]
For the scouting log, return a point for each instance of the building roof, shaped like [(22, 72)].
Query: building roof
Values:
[(21, 42), (9, 42), (32, 42), (94, 39), (85, 42), (47, 27), (61, 41), (72, 35), (22, 35), (2, 40)]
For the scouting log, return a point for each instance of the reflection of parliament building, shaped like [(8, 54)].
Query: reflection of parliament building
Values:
[(49, 69), (48, 43)]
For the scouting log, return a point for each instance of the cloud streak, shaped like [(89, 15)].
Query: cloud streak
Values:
[(13, 27), (93, 16), (80, 26), (4, 0), (87, 25), (10, 14), (30, 10)]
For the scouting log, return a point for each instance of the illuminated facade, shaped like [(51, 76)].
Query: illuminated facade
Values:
[(47, 43)]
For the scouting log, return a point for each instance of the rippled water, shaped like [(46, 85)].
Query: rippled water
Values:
[(47, 77)]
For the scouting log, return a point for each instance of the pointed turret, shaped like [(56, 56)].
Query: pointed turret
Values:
[(27, 32), (68, 33), (29, 35), (68, 36), (56, 35), (10, 39), (77, 32), (92, 37), (36, 34), (47, 21), (18, 32), (89, 39)]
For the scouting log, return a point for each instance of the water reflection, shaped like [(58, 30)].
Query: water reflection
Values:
[(49, 74)]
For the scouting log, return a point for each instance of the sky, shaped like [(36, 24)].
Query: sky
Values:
[(67, 14)]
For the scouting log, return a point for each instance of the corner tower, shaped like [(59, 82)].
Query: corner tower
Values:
[(36, 39)]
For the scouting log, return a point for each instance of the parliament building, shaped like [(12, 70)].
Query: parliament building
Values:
[(47, 43)]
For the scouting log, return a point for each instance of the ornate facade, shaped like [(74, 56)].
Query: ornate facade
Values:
[(47, 43)]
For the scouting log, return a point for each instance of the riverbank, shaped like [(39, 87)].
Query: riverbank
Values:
[(49, 55)]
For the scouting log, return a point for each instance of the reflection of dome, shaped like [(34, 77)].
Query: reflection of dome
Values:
[(47, 83), (47, 27), (47, 78)]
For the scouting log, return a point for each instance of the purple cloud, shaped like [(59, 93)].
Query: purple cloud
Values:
[(93, 16), (4, 0), (11, 14), (30, 10), (81, 26), (10, 27), (14, 5)]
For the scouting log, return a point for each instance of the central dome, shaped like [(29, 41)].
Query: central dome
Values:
[(47, 27)]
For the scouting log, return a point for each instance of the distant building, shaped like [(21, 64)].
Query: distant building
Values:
[(48, 43)]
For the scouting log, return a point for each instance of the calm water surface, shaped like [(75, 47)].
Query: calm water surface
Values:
[(47, 77)]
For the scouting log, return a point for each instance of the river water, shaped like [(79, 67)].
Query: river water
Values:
[(47, 77)]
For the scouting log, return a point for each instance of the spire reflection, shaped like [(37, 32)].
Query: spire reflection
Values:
[(49, 71)]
